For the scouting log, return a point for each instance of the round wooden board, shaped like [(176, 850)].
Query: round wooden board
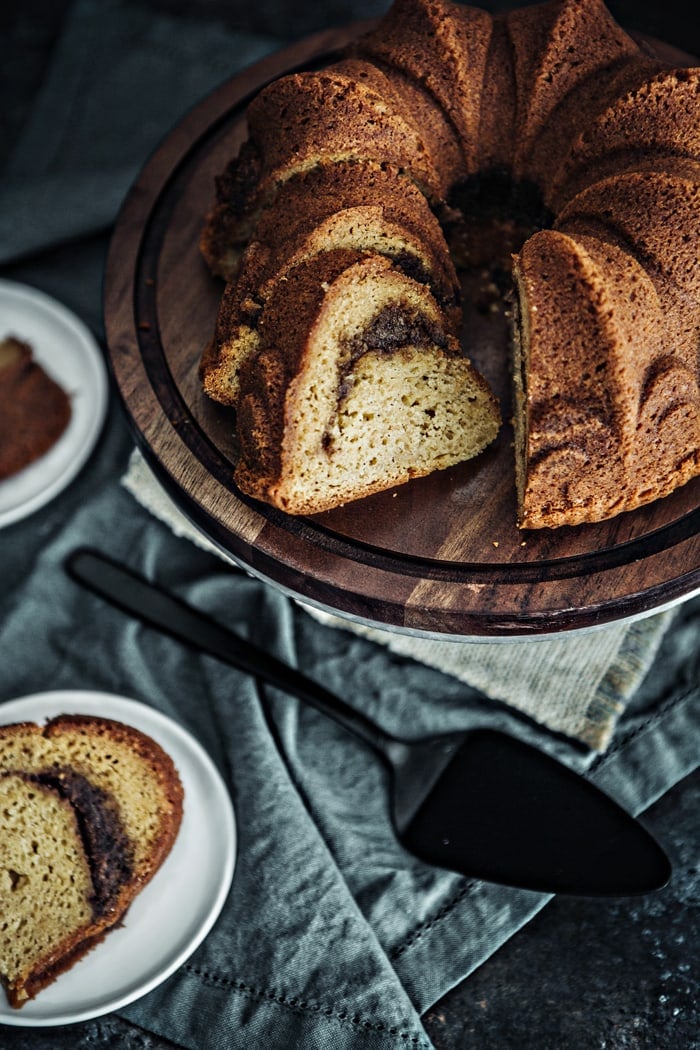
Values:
[(439, 556)]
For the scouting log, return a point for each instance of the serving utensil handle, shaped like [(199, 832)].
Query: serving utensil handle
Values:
[(150, 603)]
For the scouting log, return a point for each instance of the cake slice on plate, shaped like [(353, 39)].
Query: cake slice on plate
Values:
[(358, 386), (89, 810)]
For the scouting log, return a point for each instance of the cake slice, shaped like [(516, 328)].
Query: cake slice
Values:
[(354, 206), (362, 206), (442, 47), (303, 120), (34, 409), (598, 430), (92, 808), (358, 386)]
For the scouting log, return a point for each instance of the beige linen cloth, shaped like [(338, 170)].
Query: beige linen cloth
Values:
[(577, 683)]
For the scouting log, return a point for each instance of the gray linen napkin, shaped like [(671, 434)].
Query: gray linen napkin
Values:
[(332, 935), (577, 684)]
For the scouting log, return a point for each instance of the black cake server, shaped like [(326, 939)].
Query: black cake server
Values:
[(478, 802)]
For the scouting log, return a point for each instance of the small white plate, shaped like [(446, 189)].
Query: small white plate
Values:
[(174, 912), (68, 352)]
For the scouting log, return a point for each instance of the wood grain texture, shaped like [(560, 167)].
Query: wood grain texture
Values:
[(441, 555)]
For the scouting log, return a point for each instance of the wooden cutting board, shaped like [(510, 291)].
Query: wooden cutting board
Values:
[(441, 555)]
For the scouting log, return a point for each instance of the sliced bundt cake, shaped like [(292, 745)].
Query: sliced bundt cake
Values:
[(358, 386), (580, 148), (91, 809)]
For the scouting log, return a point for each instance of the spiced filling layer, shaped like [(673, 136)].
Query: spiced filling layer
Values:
[(107, 846), (392, 328)]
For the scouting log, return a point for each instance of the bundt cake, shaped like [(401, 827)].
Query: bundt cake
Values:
[(90, 809), (34, 408), (549, 124)]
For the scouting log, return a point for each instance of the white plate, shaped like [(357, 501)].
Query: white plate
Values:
[(159, 932), (67, 350)]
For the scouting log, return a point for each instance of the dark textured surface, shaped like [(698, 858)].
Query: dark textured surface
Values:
[(584, 974)]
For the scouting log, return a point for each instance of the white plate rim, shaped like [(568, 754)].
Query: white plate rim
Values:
[(44, 479), (54, 1006)]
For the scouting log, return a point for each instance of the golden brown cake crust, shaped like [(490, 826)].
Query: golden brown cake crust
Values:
[(160, 767), (305, 117), (336, 206), (355, 206), (443, 48)]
